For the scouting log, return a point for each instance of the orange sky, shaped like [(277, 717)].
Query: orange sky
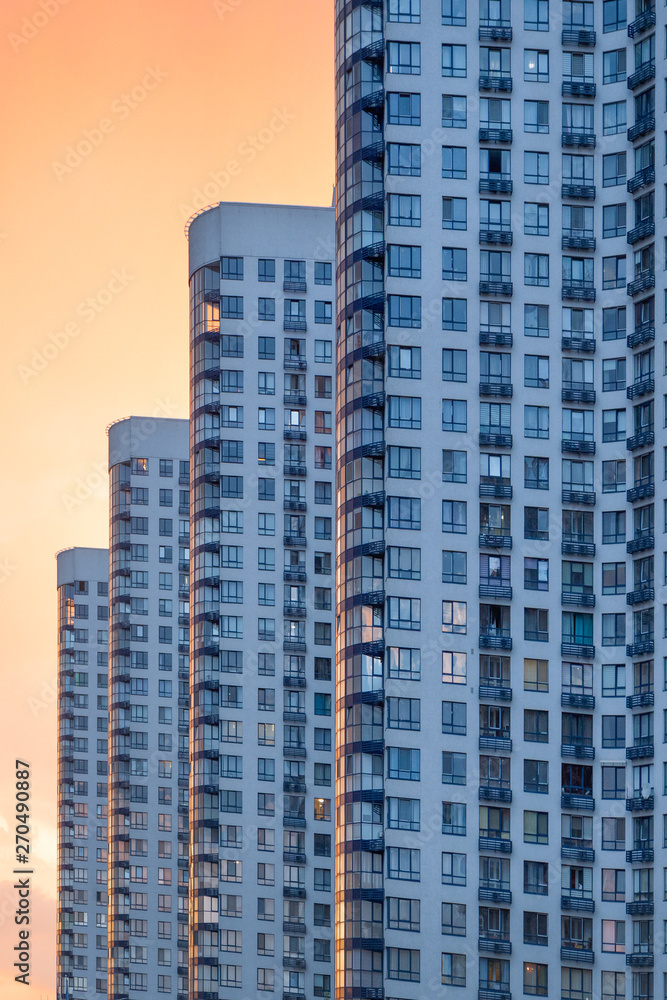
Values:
[(117, 115)]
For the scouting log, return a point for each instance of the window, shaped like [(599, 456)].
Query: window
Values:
[(613, 476), (323, 272), (613, 222), (535, 827), (613, 169), (404, 613), (613, 834), (404, 664), (536, 15), (453, 969), (614, 118), (454, 567), (454, 111), (404, 57), (613, 374), (613, 526), (535, 320), (403, 963), (536, 168), (323, 351), (536, 269), (454, 466), (454, 60), (536, 116), (454, 415), (535, 979), (454, 162), (535, 574), (536, 371), (454, 617), (404, 262), (454, 365), (613, 66), (535, 777), (404, 109), (405, 310), (266, 270), (455, 314), (454, 12), (454, 716), (455, 516), (613, 885), (404, 159), (536, 878), (613, 425), (403, 914), (323, 311), (535, 726), (614, 15), (614, 323), (454, 216), (454, 667), (536, 65), (613, 272), (404, 362), (613, 629), (404, 512), (454, 818), (453, 768), (404, 463), (454, 264), (536, 473), (403, 863), (535, 219), (613, 781), (613, 578), (613, 936)]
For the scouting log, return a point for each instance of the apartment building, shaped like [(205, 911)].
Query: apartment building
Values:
[(500, 814), (148, 707), (82, 581), (261, 725)]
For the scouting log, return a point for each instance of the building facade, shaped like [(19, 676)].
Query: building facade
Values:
[(148, 707), (261, 725), (82, 581), (497, 248)]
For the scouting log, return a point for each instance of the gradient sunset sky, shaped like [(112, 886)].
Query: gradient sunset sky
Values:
[(119, 119)]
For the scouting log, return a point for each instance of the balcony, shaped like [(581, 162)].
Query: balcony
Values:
[(642, 699), (640, 958), (643, 22), (640, 907), (639, 855), (489, 134), (642, 491), (641, 387), (578, 36), (294, 541), (570, 800), (578, 88), (495, 541), (496, 185), (577, 700), (578, 392), (376, 499), (642, 126), (294, 645), (496, 81), (640, 595), (585, 345), (498, 439), (643, 334), (641, 749), (294, 681), (376, 348), (495, 639), (498, 844), (578, 137), (487, 287), (291, 891), (495, 590), (294, 363), (640, 232), (573, 598), (497, 338), (489, 793), (640, 803), (643, 177), (495, 689), (294, 285), (577, 901), (580, 748), (576, 850), (578, 496), (493, 740), (573, 952), (579, 650), (577, 190), (578, 545), (644, 72), (640, 648), (489, 989), (294, 575), (297, 506), (494, 891), (640, 440), (643, 540), (495, 387), (496, 236), (500, 945), (574, 239), (577, 447), (499, 490), (497, 30), (578, 291)]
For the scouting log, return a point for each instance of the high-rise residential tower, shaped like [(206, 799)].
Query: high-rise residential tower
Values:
[(501, 818), (82, 580), (148, 707), (262, 556)]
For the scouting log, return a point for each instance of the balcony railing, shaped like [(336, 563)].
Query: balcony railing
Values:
[(576, 850), (579, 88), (641, 647), (576, 901), (572, 190), (640, 232), (579, 291), (498, 338), (499, 490), (577, 699), (575, 598), (577, 446), (487, 286), (574, 239), (496, 438), (489, 793), (578, 392), (641, 440), (578, 36), (636, 907), (496, 29), (641, 595), (495, 688), (496, 184), (643, 177), (578, 137), (641, 23), (638, 855), (641, 387), (500, 591), (494, 891), (644, 72), (642, 747), (500, 540), (495, 387), (496, 235), (577, 800), (580, 545), (642, 699), (642, 126), (578, 496), (495, 81), (493, 134), (644, 539), (500, 944), (495, 639), (640, 803), (643, 334), (492, 842), (572, 342), (578, 748)]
